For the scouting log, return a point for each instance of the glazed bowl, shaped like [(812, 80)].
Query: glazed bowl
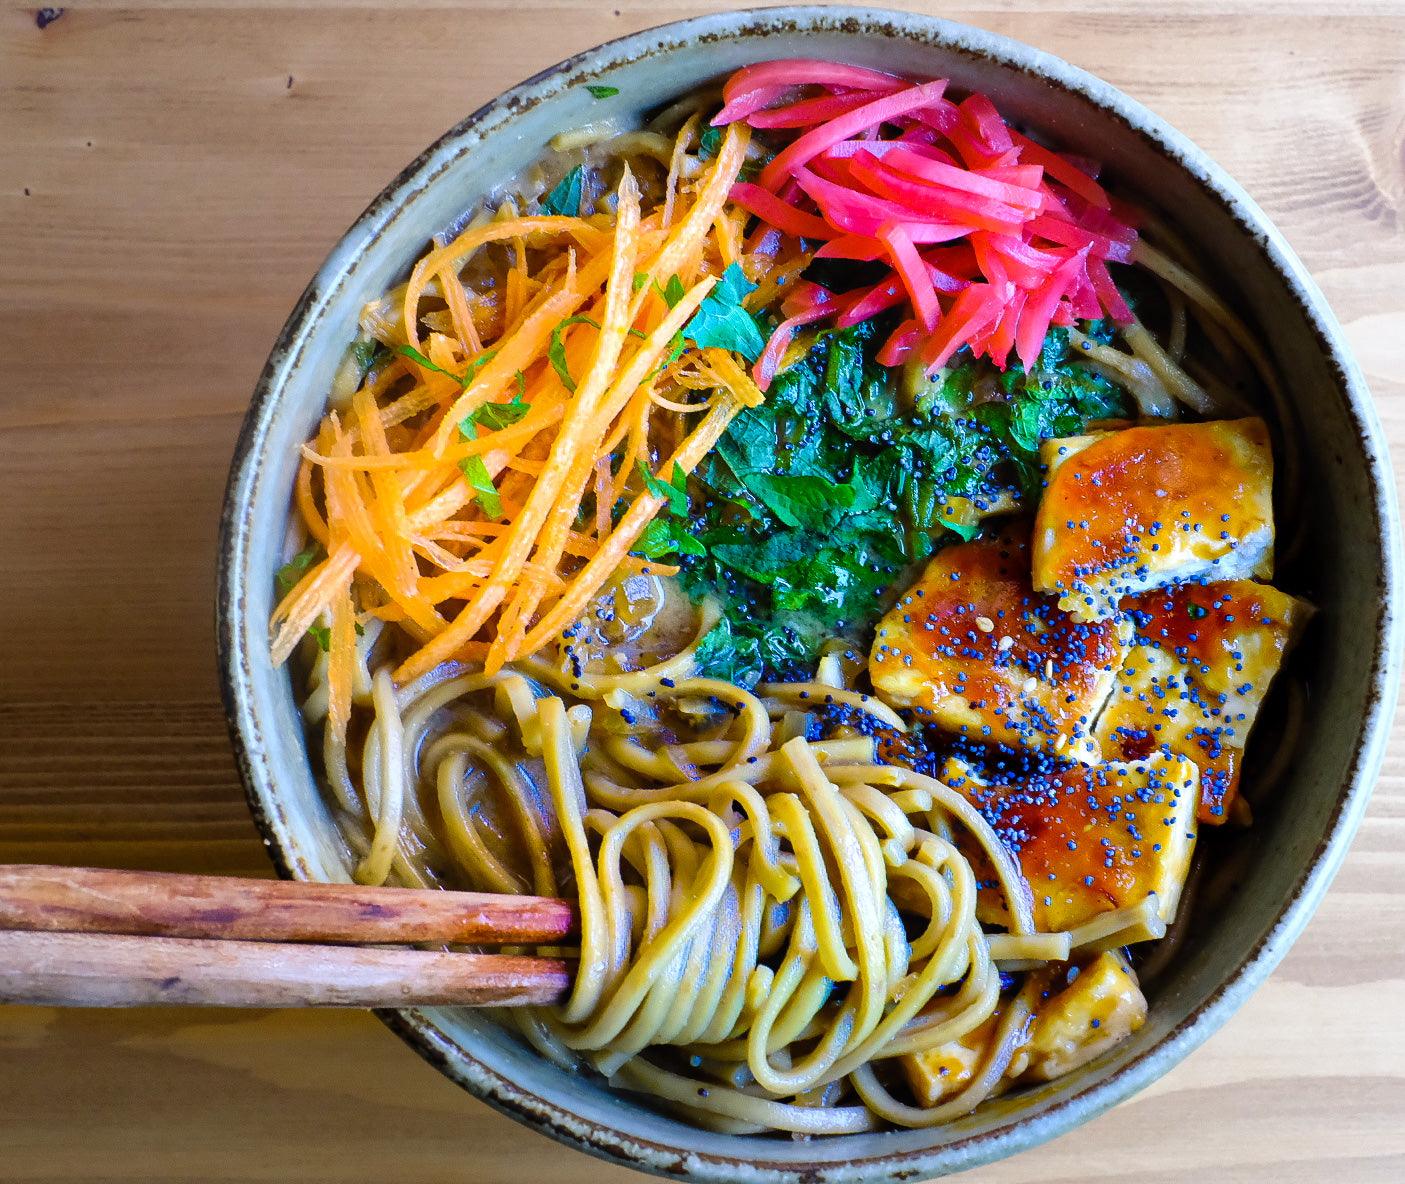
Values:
[(1350, 662)]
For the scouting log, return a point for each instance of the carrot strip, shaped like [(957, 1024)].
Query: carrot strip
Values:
[(526, 525), (641, 512)]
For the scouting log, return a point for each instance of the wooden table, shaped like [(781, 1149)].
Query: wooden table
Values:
[(170, 176)]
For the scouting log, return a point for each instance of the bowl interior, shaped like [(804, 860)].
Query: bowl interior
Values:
[(1290, 853)]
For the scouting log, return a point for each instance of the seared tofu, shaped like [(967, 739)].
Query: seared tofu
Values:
[(1089, 1007), (976, 651), (1130, 511), (944, 1070), (1099, 1004), (1089, 840), (1202, 659)]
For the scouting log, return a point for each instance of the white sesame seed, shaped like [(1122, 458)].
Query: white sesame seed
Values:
[(1049, 669), (1029, 685), (1006, 642), (985, 624)]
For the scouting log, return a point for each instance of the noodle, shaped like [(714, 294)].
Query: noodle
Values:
[(680, 965)]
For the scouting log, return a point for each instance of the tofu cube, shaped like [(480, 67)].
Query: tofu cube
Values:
[(1129, 511), (1090, 839), (976, 651), (1090, 1006), (1201, 661), (1100, 1006), (939, 1072)]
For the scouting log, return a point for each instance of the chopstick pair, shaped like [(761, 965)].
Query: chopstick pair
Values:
[(89, 937)]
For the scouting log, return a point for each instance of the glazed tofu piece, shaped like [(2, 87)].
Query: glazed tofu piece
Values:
[(1129, 511), (1099, 1005), (975, 650), (1088, 1007), (944, 1070), (1201, 661), (1089, 840)]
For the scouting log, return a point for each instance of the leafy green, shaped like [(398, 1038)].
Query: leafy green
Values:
[(710, 143), (722, 321), (365, 354), (672, 292), (298, 566), (494, 416), (465, 379), (565, 196), (322, 634), (817, 505), (674, 491), (667, 536), (481, 482), (556, 350), (603, 92)]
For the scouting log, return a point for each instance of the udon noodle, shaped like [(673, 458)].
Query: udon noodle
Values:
[(785, 922)]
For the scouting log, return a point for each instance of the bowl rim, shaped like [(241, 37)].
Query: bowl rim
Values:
[(1075, 1105)]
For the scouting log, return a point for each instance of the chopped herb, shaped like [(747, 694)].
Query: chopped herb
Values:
[(296, 567), (322, 635), (674, 491), (360, 628), (1196, 612), (494, 416), (465, 379), (723, 322), (640, 279), (365, 354), (476, 474), (556, 351), (672, 292), (603, 92), (565, 197), (710, 143), (667, 536)]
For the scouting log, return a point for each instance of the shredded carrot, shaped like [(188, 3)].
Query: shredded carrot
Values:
[(461, 520)]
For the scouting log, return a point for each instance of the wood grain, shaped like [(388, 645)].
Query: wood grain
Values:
[(227, 908), (170, 176), (119, 970)]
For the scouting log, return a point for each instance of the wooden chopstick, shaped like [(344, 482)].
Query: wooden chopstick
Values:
[(164, 904), (100, 938), (117, 970)]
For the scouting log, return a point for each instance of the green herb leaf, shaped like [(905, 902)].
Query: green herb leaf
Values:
[(465, 379), (666, 536), (365, 354), (556, 350), (603, 92), (565, 196), (322, 635), (673, 291), (476, 474), (721, 321), (710, 143), (1196, 612), (674, 491), (494, 416), (298, 566), (640, 279)]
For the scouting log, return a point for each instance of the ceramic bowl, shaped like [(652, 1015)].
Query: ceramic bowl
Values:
[(1351, 661)]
